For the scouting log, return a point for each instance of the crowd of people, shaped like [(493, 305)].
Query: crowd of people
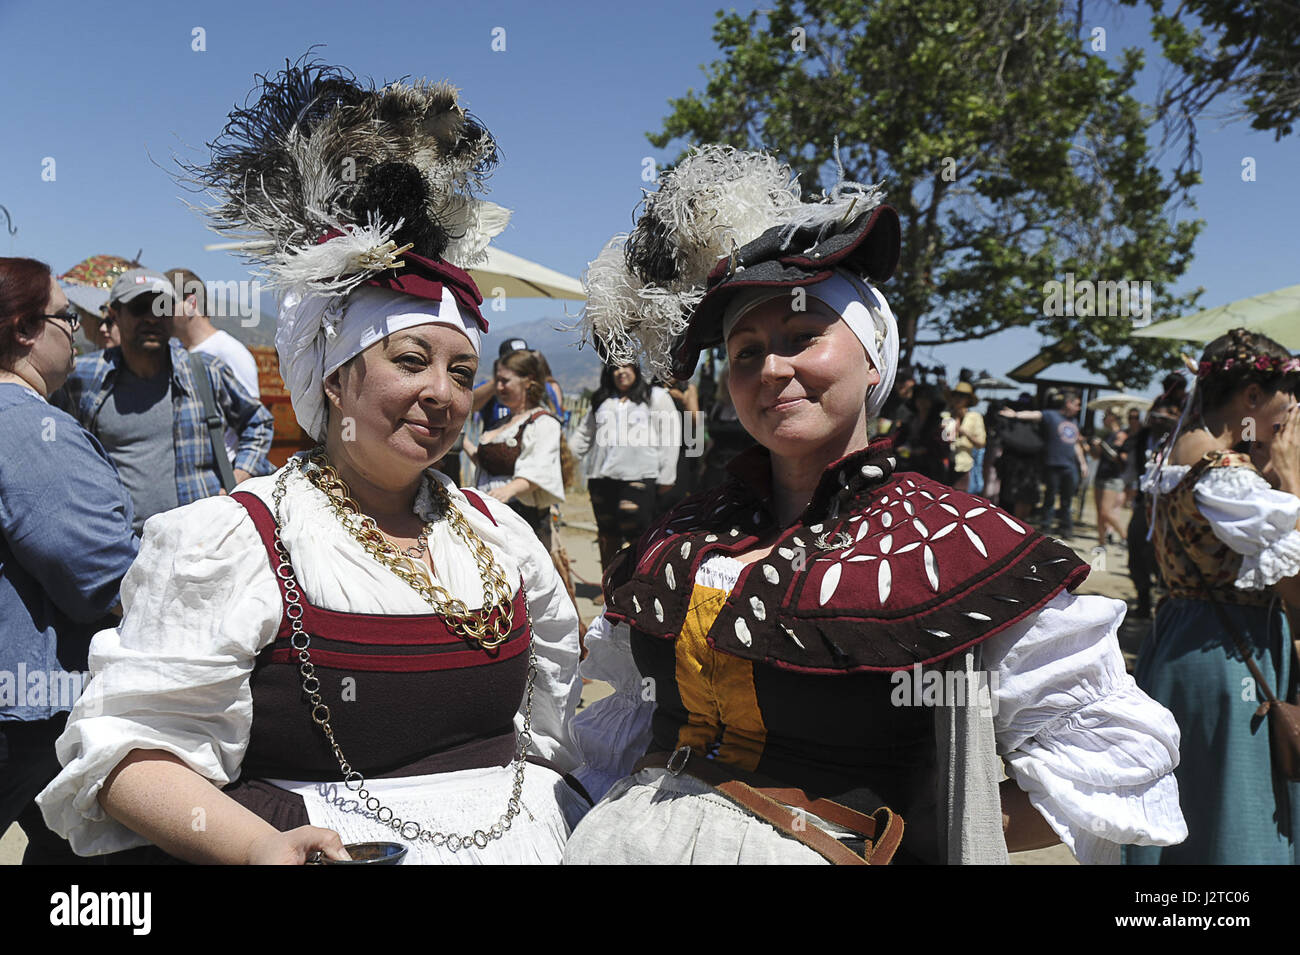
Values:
[(357, 648)]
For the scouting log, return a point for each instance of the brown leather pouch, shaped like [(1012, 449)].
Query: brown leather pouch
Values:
[(786, 809)]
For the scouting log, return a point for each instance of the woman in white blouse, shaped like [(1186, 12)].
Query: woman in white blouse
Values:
[(520, 461), (1227, 537), (630, 438), (349, 650)]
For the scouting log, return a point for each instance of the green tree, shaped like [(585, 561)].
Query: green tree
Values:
[(1244, 51), (1013, 153)]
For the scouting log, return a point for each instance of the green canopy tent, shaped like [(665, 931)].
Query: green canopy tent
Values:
[(1275, 314)]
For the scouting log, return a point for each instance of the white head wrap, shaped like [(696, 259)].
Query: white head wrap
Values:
[(317, 335), (863, 309)]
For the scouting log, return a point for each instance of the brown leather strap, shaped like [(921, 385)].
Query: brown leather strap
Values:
[(784, 808)]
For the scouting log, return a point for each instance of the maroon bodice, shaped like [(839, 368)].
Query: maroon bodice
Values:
[(406, 695)]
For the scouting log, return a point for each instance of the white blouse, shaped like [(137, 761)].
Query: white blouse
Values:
[(1249, 515), (539, 462), (201, 601), (630, 441), (1093, 752)]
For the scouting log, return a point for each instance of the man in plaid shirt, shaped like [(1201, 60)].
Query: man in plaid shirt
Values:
[(139, 399)]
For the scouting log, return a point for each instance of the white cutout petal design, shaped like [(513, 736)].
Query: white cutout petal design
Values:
[(742, 632), (830, 582), (659, 610), (670, 576), (1010, 523), (931, 569), (770, 574), (975, 539), (686, 550), (756, 605), (945, 531), (884, 581), (886, 543)]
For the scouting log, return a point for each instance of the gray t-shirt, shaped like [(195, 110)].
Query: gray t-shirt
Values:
[(135, 426)]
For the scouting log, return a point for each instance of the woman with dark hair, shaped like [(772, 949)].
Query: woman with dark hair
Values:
[(631, 452), (1227, 539), (1019, 468), (521, 461), (1108, 486), (65, 544), (923, 446)]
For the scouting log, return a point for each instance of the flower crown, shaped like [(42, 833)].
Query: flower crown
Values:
[(1268, 364)]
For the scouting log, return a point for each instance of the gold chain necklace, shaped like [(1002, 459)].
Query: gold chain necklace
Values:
[(482, 626)]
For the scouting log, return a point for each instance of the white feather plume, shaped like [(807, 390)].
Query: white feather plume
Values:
[(334, 267), (473, 225)]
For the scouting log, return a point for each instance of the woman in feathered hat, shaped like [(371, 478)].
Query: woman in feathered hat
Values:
[(351, 649), (824, 636)]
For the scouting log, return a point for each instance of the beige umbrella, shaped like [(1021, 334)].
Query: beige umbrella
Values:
[(516, 277), (502, 273), (1275, 314)]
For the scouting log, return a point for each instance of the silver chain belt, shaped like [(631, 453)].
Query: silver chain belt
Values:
[(354, 781)]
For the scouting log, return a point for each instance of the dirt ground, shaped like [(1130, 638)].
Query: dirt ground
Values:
[(1109, 577)]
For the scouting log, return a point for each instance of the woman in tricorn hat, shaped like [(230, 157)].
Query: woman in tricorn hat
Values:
[(772, 642)]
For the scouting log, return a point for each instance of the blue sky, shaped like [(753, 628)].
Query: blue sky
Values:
[(109, 91)]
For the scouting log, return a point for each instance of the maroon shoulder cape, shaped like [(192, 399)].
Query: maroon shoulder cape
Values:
[(882, 570)]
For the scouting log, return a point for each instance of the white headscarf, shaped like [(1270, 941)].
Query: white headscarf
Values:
[(317, 335), (863, 309)]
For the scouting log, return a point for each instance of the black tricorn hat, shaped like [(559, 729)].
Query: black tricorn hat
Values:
[(868, 247)]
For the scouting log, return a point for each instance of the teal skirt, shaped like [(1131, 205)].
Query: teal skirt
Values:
[(1236, 813)]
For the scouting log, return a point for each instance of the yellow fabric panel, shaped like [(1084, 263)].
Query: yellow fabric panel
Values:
[(717, 689)]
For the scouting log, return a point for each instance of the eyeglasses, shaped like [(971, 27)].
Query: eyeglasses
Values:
[(70, 316)]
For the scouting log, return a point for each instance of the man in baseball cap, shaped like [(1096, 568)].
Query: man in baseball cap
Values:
[(141, 399)]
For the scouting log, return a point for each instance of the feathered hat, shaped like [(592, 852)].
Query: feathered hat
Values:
[(722, 221), (329, 185)]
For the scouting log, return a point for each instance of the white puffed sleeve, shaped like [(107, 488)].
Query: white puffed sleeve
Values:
[(1253, 519), (199, 603), (614, 732), (1093, 752), (539, 460), (557, 688)]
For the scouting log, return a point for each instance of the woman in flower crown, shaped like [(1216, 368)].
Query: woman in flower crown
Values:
[(821, 646), (1227, 538), (352, 649)]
